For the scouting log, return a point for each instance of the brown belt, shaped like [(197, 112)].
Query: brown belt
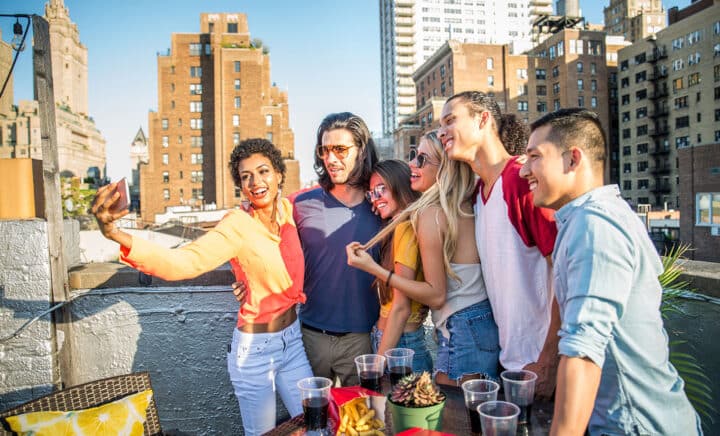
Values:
[(280, 323)]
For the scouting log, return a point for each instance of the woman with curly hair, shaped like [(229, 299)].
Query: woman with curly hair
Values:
[(262, 245), (454, 289)]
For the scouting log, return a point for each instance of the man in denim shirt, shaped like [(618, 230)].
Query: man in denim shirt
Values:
[(614, 375)]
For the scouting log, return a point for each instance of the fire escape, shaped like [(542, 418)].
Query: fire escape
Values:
[(659, 112)]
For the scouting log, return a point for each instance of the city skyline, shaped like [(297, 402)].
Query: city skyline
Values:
[(337, 45)]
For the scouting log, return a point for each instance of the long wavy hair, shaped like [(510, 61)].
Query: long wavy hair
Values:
[(396, 175), (454, 186)]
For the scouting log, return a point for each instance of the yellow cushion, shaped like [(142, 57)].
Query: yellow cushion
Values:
[(124, 417)]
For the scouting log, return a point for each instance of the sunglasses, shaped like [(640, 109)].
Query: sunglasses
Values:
[(340, 151), (421, 158), (375, 193)]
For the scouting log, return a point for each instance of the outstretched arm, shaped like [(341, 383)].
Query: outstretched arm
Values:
[(105, 198)]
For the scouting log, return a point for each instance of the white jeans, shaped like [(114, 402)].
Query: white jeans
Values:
[(261, 363)]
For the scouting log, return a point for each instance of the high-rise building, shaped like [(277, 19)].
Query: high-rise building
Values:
[(634, 19), (214, 90), (568, 69), (138, 156), (669, 103), (412, 30)]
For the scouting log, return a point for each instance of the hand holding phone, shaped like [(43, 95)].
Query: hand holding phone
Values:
[(123, 202)]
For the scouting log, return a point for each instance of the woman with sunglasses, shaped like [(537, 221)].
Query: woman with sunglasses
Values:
[(454, 288), (401, 320), (262, 245)]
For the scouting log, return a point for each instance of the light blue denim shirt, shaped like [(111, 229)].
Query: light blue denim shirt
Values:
[(605, 272)]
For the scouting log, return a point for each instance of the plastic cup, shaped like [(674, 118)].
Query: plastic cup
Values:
[(477, 392), (519, 389), (370, 368), (498, 418), (315, 394), (400, 363)]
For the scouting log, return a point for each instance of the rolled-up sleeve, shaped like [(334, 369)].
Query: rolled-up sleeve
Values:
[(599, 271)]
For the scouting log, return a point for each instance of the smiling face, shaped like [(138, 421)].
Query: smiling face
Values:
[(421, 179), (339, 168), (382, 198), (547, 171), (259, 181), (460, 131)]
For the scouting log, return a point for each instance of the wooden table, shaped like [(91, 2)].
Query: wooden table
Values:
[(455, 419)]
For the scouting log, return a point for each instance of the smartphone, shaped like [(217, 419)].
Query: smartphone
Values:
[(123, 202)]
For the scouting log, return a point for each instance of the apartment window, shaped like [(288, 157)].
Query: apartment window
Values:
[(555, 71), (541, 106), (268, 120), (522, 106), (716, 72), (624, 82), (197, 193), (522, 90), (489, 63), (640, 58), (442, 71), (556, 104), (236, 120), (707, 211), (196, 176), (593, 85), (521, 73), (678, 84), (625, 117), (237, 66), (642, 166), (625, 99), (237, 84), (236, 103), (195, 89), (195, 106), (552, 52), (165, 159), (641, 95), (561, 48), (166, 194), (626, 133), (642, 148), (627, 185), (641, 130), (580, 84), (716, 27), (196, 158), (269, 136), (540, 74), (172, 104), (627, 168), (623, 65), (693, 79), (491, 81), (593, 102), (677, 43), (236, 138), (195, 71), (196, 141), (541, 90), (678, 65), (579, 66), (166, 177), (681, 122), (717, 136), (442, 88), (165, 141), (682, 141), (593, 68), (556, 88), (681, 102), (179, 139), (195, 49), (641, 112), (627, 150), (716, 50), (717, 93), (640, 77), (164, 123), (232, 28), (581, 101), (196, 123), (717, 114), (643, 183), (179, 122)]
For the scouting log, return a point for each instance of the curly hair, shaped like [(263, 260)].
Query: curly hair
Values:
[(251, 146), (512, 131)]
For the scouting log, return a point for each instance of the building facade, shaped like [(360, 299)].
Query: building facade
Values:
[(669, 87), (214, 90), (634, 19), (412, 30), (568, 69)]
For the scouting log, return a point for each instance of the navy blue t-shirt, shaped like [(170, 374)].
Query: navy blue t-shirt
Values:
[(340, 298)]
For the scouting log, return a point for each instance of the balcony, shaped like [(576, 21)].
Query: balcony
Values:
[(658, 94), (658, 74), (659, 151), (661, 188), (661, 112), (661, 170), (657, 55), (662, 131)]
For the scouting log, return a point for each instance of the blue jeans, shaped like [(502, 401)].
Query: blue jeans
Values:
[(473, 346), (422, 361), (261, 363)]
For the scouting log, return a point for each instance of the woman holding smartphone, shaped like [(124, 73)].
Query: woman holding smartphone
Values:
[(262, 245)]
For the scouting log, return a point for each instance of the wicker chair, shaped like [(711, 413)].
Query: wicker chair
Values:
[(91, 394)]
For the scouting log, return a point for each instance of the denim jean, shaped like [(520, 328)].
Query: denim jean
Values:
[(422, 361), (261, 363), (473, 346)]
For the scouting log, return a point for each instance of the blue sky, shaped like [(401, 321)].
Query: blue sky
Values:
[(325, 53)]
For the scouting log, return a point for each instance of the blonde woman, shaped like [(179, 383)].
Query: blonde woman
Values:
[(453, 288)]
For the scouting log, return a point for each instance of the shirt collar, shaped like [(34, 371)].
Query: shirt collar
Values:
[(563, 214)]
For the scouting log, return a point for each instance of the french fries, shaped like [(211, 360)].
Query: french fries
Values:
[(356, 419)]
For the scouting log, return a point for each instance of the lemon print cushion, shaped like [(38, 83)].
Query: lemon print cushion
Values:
[(124, 417)]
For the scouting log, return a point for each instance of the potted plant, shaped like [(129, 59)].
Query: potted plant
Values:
[(416, 401)]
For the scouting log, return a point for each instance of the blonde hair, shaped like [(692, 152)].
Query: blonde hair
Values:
[(454, 185)]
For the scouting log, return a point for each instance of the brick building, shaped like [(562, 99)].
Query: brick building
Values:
[(669, 86), (634, 20), (214, 90)]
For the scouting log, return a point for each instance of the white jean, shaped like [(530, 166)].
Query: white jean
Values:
[(260, 364)]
